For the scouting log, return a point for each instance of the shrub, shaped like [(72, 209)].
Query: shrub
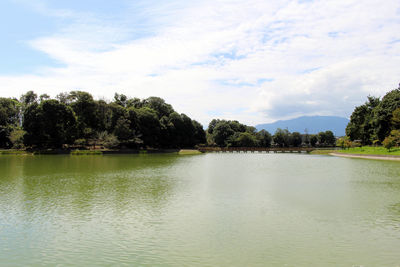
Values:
[(389, 142), (17, 138), (111, 141), (80, 142)]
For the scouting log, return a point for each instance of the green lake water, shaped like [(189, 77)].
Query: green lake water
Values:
[(204, 210)]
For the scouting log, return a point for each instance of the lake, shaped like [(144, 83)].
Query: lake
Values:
[(205, 210)]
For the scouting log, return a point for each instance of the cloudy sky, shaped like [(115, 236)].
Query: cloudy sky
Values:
[(255, 60)]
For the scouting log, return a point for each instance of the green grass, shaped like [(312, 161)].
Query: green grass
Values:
[(86, 152), (189, 152), (13, 152), (45, 152), (369, 150)]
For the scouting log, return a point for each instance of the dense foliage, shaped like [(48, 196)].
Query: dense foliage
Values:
[(76, 119), (225, 133), (376, 120)]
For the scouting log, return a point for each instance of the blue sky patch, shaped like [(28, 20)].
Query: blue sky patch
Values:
[(19, 25)]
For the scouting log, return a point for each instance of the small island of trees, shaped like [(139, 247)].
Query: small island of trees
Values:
[(75, 119)]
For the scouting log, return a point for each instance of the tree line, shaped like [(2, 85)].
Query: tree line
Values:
[(377, 121), (231, 133), (76, 119)]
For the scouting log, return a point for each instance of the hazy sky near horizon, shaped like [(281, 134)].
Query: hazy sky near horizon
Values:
[(255, 61)]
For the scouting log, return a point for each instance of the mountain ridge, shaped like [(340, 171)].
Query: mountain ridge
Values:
[(313, 124)]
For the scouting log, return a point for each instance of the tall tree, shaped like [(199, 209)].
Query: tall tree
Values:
[(9, 120), (322, 138), (149, 126), (281, 137), (49, 124), (264, 138), (360, 126), (383, 113), (29, 98), (199, 135), (246, 140), (85, 109), (313, 140), (159, 106), (296, 139), (212, 125), (330, 138), (396, 119), (222, 132)]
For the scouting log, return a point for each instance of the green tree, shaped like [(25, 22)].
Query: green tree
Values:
[(199, 135), (281, 137), (112, 114), (85, 109), (49, 124), (239, 127), (9, 120), (177, 129), (394, 137), (396, 119), (104, 114), (322, 138), (122, 129), (29, 98), (296, 139), (330, 139), (127, 129), (149, 126), (188, 131), (389, 142), (383, 113), (17, 138), (131, 122), (121, 100), (107, 140), (264, 138), (306, 137), (222, 133), (167, 133), (159, 106), (360, 126), (344, 142), (43, 97), (246, 140), (313, 140), (64, 98), (212, 125)]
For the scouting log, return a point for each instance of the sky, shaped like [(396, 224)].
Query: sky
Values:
[(255, 61)]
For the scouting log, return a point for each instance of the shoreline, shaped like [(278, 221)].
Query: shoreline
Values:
[(185, 151), (366, 156)]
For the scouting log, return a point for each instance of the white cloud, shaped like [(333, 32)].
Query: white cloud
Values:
[(255, 61)]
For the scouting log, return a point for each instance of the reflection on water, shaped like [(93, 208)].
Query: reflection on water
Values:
[(206, 210)]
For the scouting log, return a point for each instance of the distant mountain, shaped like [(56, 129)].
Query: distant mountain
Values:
[(313, 124)]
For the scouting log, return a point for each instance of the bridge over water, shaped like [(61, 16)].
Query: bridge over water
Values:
[(257, 149)]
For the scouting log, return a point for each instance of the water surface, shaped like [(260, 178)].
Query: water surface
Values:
[(205, 210)]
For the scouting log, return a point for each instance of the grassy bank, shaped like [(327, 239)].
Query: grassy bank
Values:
[(13, 152), (86, 152), (369, 150), (97, 152), (189, 152)]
